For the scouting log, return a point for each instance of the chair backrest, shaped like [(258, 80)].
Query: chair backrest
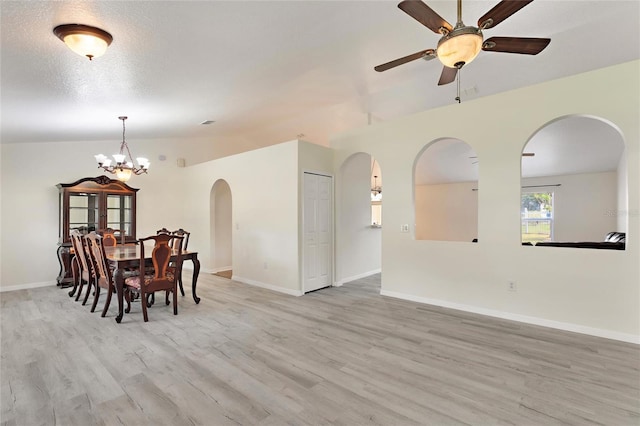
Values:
[(109, 237), (96, 245), (185, 241), (165, 270), (81, 252), (163, 231)]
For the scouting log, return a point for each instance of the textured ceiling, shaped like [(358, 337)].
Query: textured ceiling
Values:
[(269, 71)]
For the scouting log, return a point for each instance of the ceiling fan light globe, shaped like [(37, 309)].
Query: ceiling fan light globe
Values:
[(457, 49)]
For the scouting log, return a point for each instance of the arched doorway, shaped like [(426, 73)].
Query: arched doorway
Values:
[(358, 239), (221, 229)]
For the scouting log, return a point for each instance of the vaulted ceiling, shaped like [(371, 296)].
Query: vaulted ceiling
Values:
[(270, 71)]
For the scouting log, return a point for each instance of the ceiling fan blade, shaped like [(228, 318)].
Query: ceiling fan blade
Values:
[(426, 54), (425, 15), (500, 12), (448, 75), (523, 45)]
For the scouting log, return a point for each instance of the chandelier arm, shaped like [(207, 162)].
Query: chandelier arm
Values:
[(122, 168)]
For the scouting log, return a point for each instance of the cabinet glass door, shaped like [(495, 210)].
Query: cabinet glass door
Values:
[(120, 213), (83, 211)]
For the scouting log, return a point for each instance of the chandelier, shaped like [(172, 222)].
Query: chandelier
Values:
[(123, 168), (376, 190)]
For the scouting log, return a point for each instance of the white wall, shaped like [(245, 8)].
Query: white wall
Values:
[(584, 207), (264, 188), (582, 204), (621, 212), (447, 212), (29, 216), (358, 245), (594, 291)]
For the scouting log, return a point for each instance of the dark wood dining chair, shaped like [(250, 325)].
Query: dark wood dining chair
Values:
[(163, 231), (182, 233), (84, 266), (163, 276), (184, 244), (109, 237), (104, 276)]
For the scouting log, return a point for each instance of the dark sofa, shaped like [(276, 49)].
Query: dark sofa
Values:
[(612, 241)]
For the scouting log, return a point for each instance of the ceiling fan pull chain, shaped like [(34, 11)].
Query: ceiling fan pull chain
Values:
[(458, 92)]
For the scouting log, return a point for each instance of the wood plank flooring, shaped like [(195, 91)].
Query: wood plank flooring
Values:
[(339, 356)]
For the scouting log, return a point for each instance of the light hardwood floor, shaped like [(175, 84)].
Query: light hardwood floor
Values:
[(340, 356)]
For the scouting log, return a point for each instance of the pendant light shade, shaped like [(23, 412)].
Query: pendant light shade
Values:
[(86, 41)]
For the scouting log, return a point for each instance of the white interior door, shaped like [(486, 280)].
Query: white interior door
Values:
[(318, 232)]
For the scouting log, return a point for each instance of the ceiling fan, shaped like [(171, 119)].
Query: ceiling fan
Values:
[(459, 45)]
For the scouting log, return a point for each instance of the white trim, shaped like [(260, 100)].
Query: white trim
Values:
[(267, 286), (357, 277), (26, 286), (566, 326)]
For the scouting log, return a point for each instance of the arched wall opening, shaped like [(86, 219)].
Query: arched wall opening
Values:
[(358, 241), (574, 184), (221, 229), (445, 190)]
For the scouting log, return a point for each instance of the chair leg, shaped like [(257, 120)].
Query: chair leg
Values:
[(180, 282), (166, 298), (127, 297), (80, 286), (75, 287), (175, 302), (95, 299), (108, 301), (86, 296), (143, 299)]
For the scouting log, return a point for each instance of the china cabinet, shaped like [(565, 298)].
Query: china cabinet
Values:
[(93, 204)]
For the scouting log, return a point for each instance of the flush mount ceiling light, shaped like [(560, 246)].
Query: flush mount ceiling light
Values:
[(86, 41), (123, 169)]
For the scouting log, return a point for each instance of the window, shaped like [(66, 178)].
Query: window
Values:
[(536, 210)]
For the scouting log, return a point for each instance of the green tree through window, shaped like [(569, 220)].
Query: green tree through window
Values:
[(537, 216)]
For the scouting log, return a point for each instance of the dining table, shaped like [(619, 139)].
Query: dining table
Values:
[(127, 256)]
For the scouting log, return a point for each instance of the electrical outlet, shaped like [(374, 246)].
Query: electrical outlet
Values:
[(404, 228), (511, 286)]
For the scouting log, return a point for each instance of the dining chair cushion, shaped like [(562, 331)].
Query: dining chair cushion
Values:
[(135, 280)]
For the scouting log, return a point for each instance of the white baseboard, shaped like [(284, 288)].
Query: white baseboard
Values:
[(356, 277), (267, 286), (27, 286), (576, 328)]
